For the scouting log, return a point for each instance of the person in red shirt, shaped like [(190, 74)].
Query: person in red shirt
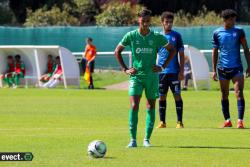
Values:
[(88, 60), (56, 76), (50, 69), (19, 70), (8, 76)]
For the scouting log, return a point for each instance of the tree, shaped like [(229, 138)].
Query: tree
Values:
[(87, 10), (53, 17), (116, 14)]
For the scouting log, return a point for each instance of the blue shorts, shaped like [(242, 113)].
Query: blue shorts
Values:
[(167, 81), (229, 73)]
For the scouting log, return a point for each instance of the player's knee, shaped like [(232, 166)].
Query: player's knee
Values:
[(177, 97), (150, 106), (224, 94), (239, 94), (134, 106), (162, 98)]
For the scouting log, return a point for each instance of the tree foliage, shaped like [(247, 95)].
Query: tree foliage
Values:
[(116, 14), (53, 17)]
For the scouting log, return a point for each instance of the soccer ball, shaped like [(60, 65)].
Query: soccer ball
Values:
[(97, 149)]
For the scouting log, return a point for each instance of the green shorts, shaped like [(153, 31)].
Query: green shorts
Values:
[(149, 82)]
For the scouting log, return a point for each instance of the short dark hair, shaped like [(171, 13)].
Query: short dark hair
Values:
[(167, 15), (89, 39), (17, 57), (50, 55), (57, 57), (144, 12), (227, 13), (9, 57)]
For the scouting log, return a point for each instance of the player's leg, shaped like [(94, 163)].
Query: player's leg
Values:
[(238, 89), (175, 87), (92, 66), (150, 120), (135, 92), (152, 93), (224, 87), (163, 89), (17, 79), (133, 119)]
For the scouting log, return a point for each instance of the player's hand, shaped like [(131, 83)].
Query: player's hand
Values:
[(88, 63), (248, 72), (156, 68), (130, 71), (214, 76), (181, 76)]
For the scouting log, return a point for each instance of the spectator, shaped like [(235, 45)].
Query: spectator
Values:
[(50, 69), (187, 73), (8, 76), (56, 76), (19, 70), (88, 62)]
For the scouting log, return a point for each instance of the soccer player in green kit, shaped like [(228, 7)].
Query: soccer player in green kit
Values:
[(144, 44)]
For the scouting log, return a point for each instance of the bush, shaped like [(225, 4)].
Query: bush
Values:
[(204, 17), (87, 10), (116, 14), (53, 17)]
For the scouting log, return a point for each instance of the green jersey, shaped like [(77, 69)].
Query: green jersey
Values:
[(144, 49)]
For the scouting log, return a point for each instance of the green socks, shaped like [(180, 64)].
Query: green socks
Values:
[(133, 121), (150, 120)]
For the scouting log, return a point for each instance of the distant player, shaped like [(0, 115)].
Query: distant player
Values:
[(8, 76), (187, 73), (88, 60), (228, 64), (172, 75), (50, 69), (144, 44), (56, 76), (19, 70)]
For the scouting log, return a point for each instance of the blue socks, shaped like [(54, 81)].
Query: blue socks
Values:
[(225, 109), (162, 110), (179, 110), (241, 108)]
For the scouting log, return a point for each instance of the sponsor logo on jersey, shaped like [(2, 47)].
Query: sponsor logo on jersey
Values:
[(173, 39), (144, 50), (234, 34)]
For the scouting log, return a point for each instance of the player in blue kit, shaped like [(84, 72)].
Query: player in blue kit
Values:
[(228, 65), (171, 76)]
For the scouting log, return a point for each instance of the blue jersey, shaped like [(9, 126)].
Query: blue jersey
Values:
[(228, 42), (175, 39)]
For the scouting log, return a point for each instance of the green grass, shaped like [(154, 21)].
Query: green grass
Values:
[(57, 126), (105, 78)]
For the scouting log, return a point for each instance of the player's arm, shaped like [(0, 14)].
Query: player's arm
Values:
[(172, 51), (215, 43), (214, 62), (247, 55), (118, 55)]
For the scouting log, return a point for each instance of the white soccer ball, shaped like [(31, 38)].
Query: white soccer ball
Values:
[(97, 149)]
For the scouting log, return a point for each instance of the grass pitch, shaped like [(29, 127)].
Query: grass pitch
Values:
[(57, 126)]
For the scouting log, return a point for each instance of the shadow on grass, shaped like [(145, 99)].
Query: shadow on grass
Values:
[(214, 147)]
